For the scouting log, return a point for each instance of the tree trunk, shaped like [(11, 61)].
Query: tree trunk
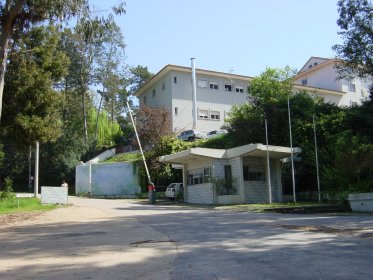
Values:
[(7, 21), (98, 115), (84, 116)]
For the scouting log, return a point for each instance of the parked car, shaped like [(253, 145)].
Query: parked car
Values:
[(173, 189), (190, 135), (215, 133)]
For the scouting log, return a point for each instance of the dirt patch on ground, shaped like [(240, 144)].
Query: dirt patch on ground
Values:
[(9, 219), (351, 232)]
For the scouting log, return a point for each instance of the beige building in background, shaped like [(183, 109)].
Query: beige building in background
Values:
[(321, 72)]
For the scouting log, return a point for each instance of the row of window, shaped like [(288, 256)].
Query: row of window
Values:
[(199, 176), (351, 86), (215, 86), (208, 114), (203, 175)]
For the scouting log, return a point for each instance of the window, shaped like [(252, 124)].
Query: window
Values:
[(203, 114), (175, 79), (214, 85), (215, 115), (304, 82), (144, 100), (206, 175), (315, 64), (226, 114), (200, 176), (253, 173), (239, 88), (228, 176), (310, 66), (153, 93), (176, 111), (351, 87), (202, 83), (228, 87), (163, 86)]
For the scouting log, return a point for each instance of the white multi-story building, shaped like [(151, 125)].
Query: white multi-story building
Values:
[(321, 72), (171, 88)]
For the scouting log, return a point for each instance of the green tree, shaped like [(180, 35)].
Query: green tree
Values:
[(109, 58), (356, 52), (19, 15), (31, 103), (138, 76)]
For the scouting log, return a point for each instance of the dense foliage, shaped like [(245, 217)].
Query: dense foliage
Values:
[(344, 135), (53, 73)]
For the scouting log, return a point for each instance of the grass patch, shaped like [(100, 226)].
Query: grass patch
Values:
[(9, 205), (125, 157)]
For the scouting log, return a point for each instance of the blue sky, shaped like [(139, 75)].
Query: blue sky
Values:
[(244, 35)]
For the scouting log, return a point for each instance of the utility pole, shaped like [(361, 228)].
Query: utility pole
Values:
[(268, 166), (317, 159), (194, 93)]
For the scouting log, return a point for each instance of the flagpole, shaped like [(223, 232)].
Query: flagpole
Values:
[(317, 159), (268, 166), (292, 153)]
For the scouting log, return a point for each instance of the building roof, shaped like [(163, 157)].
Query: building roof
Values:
[(252, 150), (229, 76), (322, 59)]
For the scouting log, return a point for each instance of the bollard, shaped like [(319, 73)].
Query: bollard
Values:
[(151, 194)]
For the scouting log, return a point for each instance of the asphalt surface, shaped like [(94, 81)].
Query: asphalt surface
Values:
[(230, 245), (118, 239)]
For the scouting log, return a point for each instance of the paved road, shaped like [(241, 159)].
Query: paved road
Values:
[(128, 240)]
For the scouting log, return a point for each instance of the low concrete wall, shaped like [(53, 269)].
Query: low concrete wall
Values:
[(108, 180), (361, 202), (201, 194), (54, 195)]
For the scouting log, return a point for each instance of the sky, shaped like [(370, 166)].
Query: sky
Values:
[(242, 36)]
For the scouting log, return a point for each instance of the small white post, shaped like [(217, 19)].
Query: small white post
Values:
[(36, 182), (90, 178)]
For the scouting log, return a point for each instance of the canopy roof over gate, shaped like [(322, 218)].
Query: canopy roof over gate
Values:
[(251, 150)]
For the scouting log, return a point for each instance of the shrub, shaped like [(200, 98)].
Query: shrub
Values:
[(7, 189)]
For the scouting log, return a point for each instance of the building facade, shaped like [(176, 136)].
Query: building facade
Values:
[(171, 88), (217, 92), (321, 72)]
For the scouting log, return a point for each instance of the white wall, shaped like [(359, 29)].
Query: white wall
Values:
[(207, 99), (327, 77), (201, 194), (108, 179)]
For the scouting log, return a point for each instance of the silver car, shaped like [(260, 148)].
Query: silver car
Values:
[(190, 135)]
